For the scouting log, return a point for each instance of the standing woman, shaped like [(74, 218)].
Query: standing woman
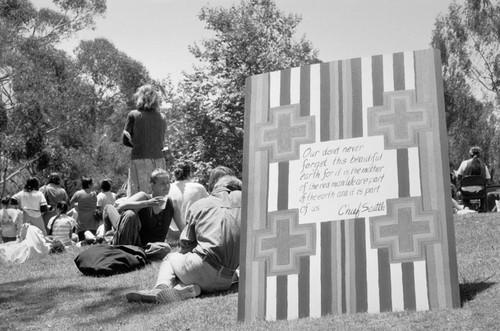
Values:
[(85, 201), (54, 193), (33, 204), (145, 133)]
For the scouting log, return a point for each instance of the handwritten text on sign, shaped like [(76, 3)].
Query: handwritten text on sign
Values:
[(343, 179)]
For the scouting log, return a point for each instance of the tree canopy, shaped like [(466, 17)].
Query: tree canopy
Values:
[(250, 38), (60, 113), (66, 114), (468, 36)]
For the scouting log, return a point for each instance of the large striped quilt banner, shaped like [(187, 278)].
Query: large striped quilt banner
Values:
[(346, 200)]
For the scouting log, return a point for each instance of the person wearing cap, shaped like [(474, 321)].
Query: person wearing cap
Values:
[(209, 254)]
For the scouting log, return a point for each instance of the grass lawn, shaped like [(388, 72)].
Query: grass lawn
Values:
[(51, 293)]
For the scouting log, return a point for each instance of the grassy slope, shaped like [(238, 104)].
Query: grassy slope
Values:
[(50, 293)]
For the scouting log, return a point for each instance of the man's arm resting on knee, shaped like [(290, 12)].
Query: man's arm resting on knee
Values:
[(187, 240), (138, 201)]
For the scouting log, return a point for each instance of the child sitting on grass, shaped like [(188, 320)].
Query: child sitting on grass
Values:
[(61, 226), (10, 221)]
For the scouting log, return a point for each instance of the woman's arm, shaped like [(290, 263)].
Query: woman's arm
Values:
[(44, 207), (14, 200), (181, 224), (128, 131), (19, 221), (74, 200), (187, 239)]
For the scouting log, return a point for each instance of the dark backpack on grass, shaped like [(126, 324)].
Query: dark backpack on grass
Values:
[(106, 260)]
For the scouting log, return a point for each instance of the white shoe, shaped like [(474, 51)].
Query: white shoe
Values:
[(164, 294), (174, 294)]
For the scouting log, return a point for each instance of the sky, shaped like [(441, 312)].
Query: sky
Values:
[(158, 32)]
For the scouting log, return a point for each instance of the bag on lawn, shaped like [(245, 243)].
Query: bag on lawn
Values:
[(107, 260)]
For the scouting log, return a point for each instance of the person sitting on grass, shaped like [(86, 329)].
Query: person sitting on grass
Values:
[(33, 204), (144, 217), (216, 174), (11, 221), (85, 201), (105, 197), (210, 245), (183, 193), (61, 226), (53, 192)]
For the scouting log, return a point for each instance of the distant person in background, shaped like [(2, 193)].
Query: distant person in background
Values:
[(86, 202), (474, 166), (105, 197), (183, 193), (54, 193), (62, 226), (33, 203), (216, 174), (11, 221), (144, 132)]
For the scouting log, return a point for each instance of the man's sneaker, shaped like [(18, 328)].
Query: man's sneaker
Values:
[(143, 296), (178, 294), (164, 294)]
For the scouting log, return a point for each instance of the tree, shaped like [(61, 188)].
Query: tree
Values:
[(250, 38), (32, 77), (44, 98), (114, 75), (21, 22), (469, 39), (468, 36), (113, 78), (51, 117)]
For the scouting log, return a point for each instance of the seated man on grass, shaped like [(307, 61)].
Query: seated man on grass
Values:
[(210, 246), (142, 218)]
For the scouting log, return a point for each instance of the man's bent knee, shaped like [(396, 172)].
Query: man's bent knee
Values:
[(127, 231)]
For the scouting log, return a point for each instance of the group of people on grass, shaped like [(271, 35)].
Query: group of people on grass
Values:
[(208, 221), (49, 209)]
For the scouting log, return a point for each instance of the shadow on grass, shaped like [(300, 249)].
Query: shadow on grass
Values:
[(100, 304), (93, 301), (232, 289), (469, 290)]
